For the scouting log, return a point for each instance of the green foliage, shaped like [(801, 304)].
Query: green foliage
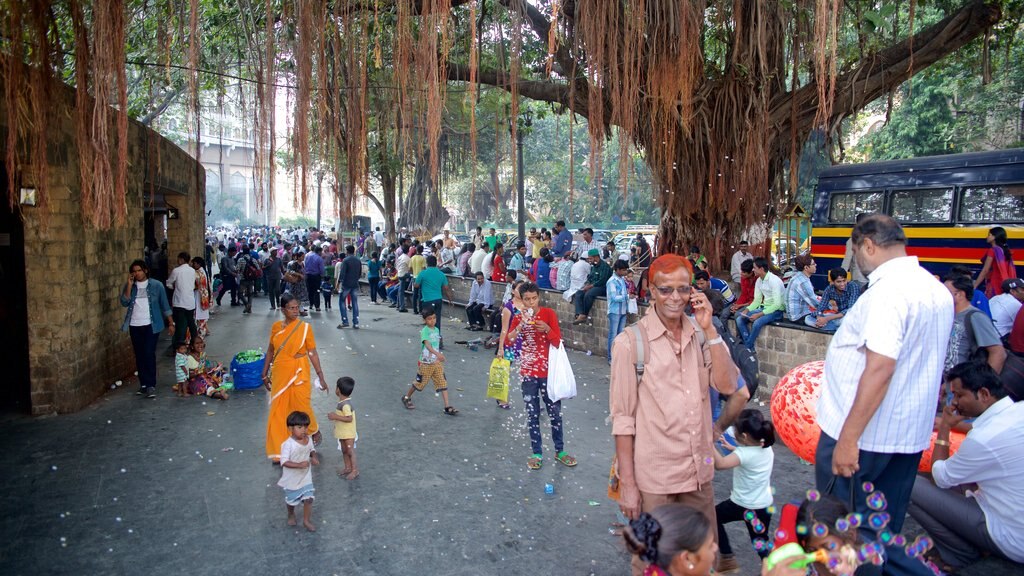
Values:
[(296, 222)]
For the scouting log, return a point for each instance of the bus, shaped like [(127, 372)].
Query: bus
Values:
[(946, 205)]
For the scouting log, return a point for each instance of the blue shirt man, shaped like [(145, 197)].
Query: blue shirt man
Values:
[(563, 240)]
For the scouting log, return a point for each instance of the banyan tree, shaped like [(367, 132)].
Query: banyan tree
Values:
[(718, 96)]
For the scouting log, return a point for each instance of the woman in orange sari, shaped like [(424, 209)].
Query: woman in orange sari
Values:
[(291, 350)]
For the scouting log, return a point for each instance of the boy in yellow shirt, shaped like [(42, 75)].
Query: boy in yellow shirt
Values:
[(344, 418)]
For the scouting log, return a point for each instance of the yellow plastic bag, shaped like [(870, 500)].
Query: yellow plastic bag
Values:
[(497, 380)]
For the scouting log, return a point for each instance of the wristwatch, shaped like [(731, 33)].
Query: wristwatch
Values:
[(715, 341)]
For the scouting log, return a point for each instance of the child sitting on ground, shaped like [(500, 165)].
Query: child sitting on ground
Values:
[(816, 522), (344, 418), (431, 363), (298, 454), (752, 460), (204, 376), (181, 360)]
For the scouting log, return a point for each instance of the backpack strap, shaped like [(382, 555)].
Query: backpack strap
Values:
[(701, 337), (640, 351)]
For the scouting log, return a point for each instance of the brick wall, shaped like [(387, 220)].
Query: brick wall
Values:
[(780, 348), (74, 272)]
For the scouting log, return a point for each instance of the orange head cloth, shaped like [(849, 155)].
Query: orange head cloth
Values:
[(667, 264)]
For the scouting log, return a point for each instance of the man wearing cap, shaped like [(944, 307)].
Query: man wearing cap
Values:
[(738, 258), (1005, 306), (989, 517), (600, 272)]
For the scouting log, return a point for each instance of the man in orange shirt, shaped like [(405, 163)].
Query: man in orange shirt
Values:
[(666, 455)]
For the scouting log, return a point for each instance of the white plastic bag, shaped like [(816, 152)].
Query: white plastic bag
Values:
[(631, 306), (561, 380)]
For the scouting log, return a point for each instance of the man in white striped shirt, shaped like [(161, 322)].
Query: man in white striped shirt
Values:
[(883, 374)]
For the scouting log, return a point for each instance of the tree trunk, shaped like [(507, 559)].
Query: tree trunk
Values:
[(421, 209)]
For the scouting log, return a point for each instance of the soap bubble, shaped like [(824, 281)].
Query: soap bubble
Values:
[(899, 540), (749, 516), (885, 536), (854, 520), (759, 544), (868, 487), (876, 501), (771, 509), (781, 534), (813, 495), (878, 520), (842, 524), (801, 529), (819, 530)]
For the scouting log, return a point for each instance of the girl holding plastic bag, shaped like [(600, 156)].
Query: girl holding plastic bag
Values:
[(539, 330)]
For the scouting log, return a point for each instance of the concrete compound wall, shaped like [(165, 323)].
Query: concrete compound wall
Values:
[(75, 272), (780, 348)]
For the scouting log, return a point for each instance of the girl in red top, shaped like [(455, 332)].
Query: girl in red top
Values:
[(498, 273), (539, 329), (998, 263)]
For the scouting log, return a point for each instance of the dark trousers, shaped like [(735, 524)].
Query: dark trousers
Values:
[(729, 511), (313, 289), (416, 300), (584, 301), (475, 314), (403, 285), (228, 284), (183, 318), (436, 304), (144, 345), (535, 389), (891, 474), (274, 292), (374, 283)]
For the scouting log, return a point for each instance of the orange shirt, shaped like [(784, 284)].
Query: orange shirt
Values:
[(669, 412)]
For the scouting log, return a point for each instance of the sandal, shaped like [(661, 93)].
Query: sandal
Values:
[(504, 405), (450, 410), (534, 462), (407, 402), (566, 459)]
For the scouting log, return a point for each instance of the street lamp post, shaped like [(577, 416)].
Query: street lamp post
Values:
[(523, 124)]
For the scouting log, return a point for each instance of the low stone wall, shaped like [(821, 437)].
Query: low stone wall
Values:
[(780, 347)]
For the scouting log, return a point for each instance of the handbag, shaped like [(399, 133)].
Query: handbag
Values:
[(497, 380), (561, 380), (632, 307)]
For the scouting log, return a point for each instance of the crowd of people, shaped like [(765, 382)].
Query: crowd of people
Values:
[(912, 357)]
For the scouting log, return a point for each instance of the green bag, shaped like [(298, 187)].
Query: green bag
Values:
[(497, 381)]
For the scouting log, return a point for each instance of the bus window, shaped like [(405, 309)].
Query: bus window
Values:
[(845, 207), (922, 206), (983, 204)]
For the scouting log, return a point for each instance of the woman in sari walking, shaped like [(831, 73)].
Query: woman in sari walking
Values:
[(286, 375)]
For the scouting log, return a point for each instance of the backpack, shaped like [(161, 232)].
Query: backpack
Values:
[(745, 359), (251, 270)]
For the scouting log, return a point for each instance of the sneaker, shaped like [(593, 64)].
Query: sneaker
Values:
[(403, 309), (355, 326), (727, 564), (140, 392), (342, 325), (151, 392)]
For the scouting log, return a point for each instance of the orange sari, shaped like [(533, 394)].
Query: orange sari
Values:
[(290, 380)]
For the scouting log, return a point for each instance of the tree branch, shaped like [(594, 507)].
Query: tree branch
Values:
[(877, 74)]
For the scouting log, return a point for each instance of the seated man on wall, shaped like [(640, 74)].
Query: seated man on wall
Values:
[(600, 272), (481, 297), (768, 306), (987, 518), (836, 301)]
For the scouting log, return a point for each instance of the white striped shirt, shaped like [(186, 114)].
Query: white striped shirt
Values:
[(906, 315)]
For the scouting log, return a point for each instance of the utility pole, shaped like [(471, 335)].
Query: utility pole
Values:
[(523, 124), (319, 186)]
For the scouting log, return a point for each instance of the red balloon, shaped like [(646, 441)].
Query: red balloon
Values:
[(794, 408), (795, 415)]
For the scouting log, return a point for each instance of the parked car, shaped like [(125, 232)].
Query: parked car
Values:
[(460, 239)]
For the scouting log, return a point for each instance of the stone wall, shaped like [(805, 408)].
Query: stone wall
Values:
[(780, 348), (74, 272)]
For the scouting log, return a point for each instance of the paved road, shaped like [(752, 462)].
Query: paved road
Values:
[(169, 486)]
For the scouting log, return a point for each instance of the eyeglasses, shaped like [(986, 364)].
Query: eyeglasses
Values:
[(668, 290)]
